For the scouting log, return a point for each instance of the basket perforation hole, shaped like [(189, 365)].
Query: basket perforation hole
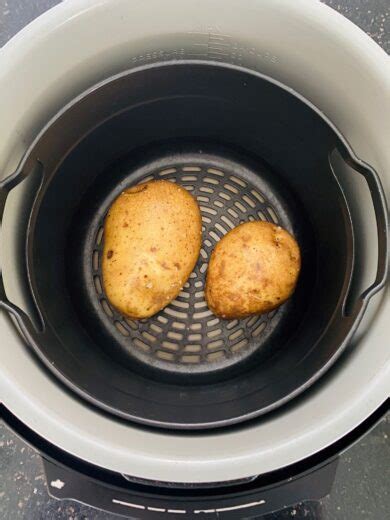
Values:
[(170, 345), (156, 328), (215, 344), (231, 188), (175, 314), (148, 336), (145, 179), (98, 285), (95, 260), (251, 321), (167, 171), (272, 214), (232, 212), (107, 309), (178, 325), (193, 348), (174, 335), (121, 328), (240, 206), (214, 356), (195, 337), (249, 201), (190, 359), (200, 305), (214, 171), (209, 180), (141, 345), (224, 196), (227, 221), (240, 345), (214, 235), (258, 330), (99, 236), (238, 181), (214, 333), (203, 268), (236, 334), (195, 326), (166, 356), (220, 228), (181, 305), (210, 211), (132, 324), (231, 324), (201, 315), (258, 196), (191, 169)]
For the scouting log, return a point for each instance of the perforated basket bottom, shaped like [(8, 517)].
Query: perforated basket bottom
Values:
[(186, 336)]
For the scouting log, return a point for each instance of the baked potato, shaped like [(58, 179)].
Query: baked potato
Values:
[(253, 269), (152, 238)]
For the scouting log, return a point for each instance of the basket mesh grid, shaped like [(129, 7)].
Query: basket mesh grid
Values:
[(185, 335)]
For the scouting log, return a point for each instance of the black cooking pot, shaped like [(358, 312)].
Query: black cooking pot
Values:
[(248, 149)]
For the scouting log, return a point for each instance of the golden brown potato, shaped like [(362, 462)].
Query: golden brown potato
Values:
[(252, 270), (152, 238)]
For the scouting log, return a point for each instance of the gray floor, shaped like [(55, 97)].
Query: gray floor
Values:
[(362, 487)]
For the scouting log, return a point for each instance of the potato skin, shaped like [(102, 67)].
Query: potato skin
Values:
[(152, 239), (252, 270)]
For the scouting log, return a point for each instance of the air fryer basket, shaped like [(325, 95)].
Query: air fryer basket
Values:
[(186, 337), (248, 149)]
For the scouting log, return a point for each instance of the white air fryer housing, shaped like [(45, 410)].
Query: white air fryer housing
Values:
[(306, 46)]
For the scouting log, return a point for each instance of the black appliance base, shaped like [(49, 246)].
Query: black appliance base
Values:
[(308, 480), (65, 483)]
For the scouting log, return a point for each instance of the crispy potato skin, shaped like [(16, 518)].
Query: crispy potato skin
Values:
[(252, 270), (152, 239)]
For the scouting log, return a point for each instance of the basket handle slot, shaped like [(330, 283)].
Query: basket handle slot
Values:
[(367, 205)]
